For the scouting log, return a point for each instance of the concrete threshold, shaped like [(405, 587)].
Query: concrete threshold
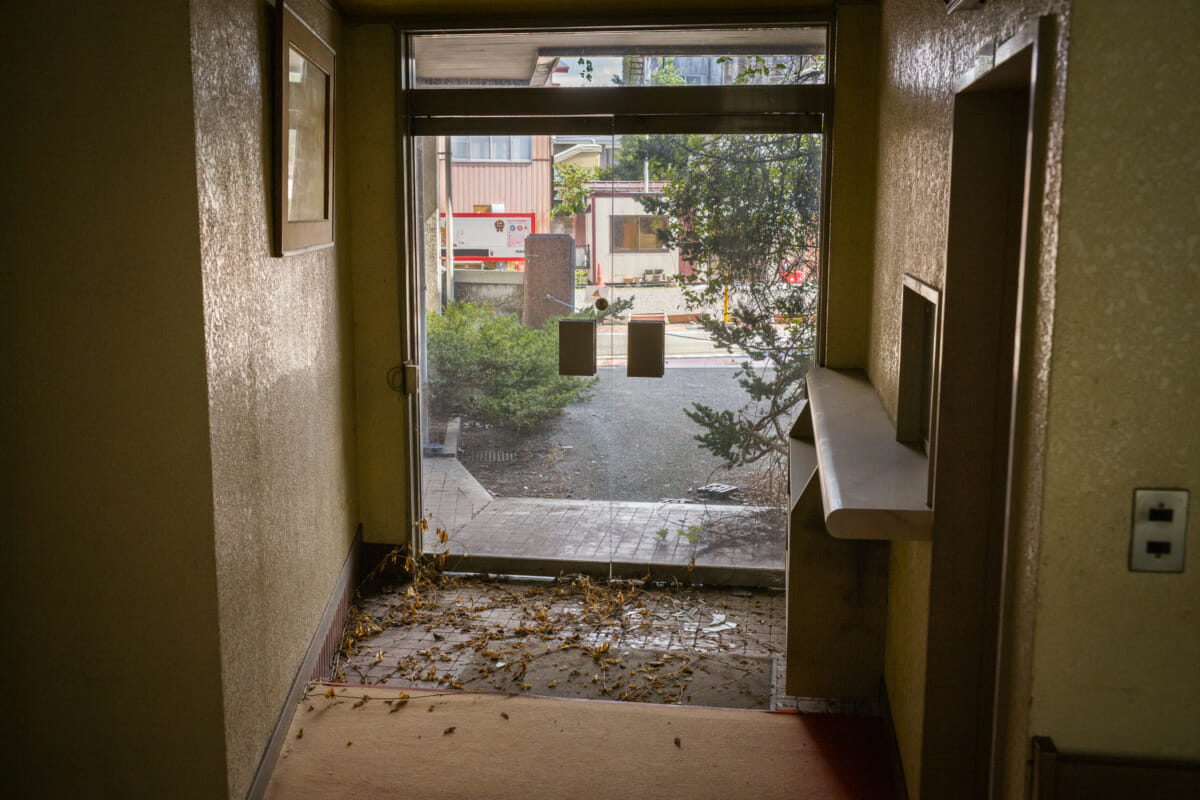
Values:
[(700, 574)]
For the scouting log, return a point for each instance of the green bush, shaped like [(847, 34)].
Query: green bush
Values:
[(493, 369)]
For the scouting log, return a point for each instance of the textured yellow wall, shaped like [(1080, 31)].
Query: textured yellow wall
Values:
[(852, 188), (279, 380), (922, 52), (1117, 654), (381, 419), (108, 576)]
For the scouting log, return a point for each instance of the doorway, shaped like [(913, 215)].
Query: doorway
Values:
[(995, 201), (529, 472)]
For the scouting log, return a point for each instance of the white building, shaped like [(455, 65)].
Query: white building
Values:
[(622, 239)]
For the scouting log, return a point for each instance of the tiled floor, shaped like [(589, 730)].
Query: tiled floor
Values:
[(650, 644), (717, 539)]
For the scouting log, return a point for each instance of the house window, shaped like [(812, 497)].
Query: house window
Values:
[(491, 148), (640, 232)]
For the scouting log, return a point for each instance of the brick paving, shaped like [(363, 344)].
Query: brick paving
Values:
[(488, 532)]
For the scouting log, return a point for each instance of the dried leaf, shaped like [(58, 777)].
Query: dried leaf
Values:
[(329, 694)]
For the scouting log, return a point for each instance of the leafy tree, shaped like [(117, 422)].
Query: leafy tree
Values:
[(667, 153), (493, 369), (571, 188), (746, 211), (667, 74), (760, 70)]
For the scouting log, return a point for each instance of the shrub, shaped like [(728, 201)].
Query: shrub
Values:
[(493, 369)]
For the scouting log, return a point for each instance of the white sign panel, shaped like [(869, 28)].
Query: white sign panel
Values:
[(490, 237)]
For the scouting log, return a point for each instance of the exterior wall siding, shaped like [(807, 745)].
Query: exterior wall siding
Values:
[(521, 186)]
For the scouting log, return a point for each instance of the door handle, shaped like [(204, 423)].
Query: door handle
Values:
[(577, 347), (405, 378)]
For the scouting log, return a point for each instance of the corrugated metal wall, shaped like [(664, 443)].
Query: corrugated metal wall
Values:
[(523, 187)]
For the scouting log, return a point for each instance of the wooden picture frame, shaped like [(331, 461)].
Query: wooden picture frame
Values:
[(303, 137)]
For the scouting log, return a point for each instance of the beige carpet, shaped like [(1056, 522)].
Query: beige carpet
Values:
[(497, 746)]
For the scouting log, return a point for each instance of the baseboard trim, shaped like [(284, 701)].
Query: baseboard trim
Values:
[(321, 648), (1056, 775), (900, 784)]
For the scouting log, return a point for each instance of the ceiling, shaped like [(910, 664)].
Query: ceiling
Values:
[(526, 57), (601, 9)]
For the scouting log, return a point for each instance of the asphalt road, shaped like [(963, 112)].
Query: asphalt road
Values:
[(632, 441)]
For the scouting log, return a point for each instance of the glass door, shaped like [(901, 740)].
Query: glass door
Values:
[(686, 241), (712, 259), (515, 455)]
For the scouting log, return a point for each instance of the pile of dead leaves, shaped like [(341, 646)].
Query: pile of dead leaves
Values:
[(548, 622)]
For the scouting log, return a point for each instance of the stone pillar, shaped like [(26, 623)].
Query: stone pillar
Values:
[(549, 270)]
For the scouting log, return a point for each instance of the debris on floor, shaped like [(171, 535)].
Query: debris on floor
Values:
[(570, 637), (717, 491)]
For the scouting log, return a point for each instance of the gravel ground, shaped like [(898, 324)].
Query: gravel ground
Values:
[(632, 441)]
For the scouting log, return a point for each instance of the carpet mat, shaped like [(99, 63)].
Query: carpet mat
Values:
[(355, 742)]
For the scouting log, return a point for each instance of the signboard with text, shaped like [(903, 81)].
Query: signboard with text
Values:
[(490, 237)]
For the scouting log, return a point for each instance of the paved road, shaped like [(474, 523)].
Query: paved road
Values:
[(633, 441)]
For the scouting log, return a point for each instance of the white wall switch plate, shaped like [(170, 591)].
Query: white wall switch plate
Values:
[(1159, 530)]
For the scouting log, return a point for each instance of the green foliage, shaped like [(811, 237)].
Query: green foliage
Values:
[(691, 533), (667, 154), (586, 69), (746, 210), (492, 369), (756, 69), (609, 315), (571, 188), (667, 74)]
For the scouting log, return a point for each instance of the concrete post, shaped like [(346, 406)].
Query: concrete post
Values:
[(549, 277)]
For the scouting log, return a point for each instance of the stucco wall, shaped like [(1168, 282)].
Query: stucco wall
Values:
[(922, 51), (108, 578), (381, 420), (280, 392), (851, 201), (1117, 654)]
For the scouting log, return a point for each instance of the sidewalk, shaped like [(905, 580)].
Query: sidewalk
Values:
[(535, 536)]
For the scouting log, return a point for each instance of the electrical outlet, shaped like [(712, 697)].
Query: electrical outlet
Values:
[(1159, 530)]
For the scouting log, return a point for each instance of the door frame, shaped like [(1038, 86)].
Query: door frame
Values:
[(632, 110), (973, 668)]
